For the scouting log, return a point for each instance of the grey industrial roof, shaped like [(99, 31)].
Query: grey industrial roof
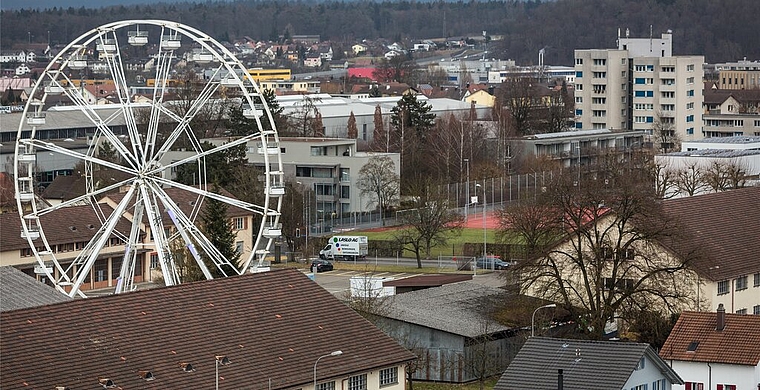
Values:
[(452, 308), (20, 291), (581, 133), (740, 139), (586, 364), (722, 153)]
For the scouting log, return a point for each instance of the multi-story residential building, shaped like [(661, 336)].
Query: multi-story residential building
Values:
[(328, 168), (741, 74), (581, 147), (639, 86), (731, 113)]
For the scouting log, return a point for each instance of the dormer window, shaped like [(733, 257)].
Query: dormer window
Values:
[(106, 383), (186, 367)]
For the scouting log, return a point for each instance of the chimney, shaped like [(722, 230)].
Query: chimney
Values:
[(721, 318), (560, 380)]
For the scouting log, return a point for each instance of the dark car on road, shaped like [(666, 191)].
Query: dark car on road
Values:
[(491, 262), (321, 266)]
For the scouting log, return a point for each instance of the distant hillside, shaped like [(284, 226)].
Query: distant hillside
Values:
[(722, 30)]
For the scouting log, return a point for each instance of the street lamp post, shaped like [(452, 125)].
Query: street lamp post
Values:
[(467, 191), (533, 318), (485, 252), (305, 199), (333, 353), (223, 360)]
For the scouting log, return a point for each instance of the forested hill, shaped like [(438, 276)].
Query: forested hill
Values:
[(722, 30)]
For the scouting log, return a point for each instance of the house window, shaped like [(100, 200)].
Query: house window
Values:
[(741, 311), (388, 376), (639, 387), (658, 385), (579, 61), (723, 287), (725, 387), (357, 382), (741, 283), (239, 247), (154, 261), (101, 270), (756, 309), (326, 386), (239, 223), (694, 386), (757, 279), (641, 365)]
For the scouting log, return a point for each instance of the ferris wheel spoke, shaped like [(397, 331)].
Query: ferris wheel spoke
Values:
[(183, 123), (192, 235), (81, 198), (163, 250), (163, 67), (216, 149), (226, 199), (101, 124), (127, 273), (116, 68), (100, 240), (68, 152)]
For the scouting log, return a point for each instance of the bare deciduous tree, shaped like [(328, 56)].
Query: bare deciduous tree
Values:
[(429, 221), (690, 180), (725, 175), (606, 264), (664, 132), (379, 181)]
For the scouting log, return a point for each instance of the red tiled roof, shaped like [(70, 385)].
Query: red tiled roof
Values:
[(725, 226), (186, 200), (272, 326), (737, 343), (65, 225)]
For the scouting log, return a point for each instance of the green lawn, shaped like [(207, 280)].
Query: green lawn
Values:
[(452, 248)]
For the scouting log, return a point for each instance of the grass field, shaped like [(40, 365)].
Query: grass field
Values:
[(454, 246)]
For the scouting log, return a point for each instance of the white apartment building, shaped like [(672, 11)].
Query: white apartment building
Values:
[(328, 168), (637, 85)]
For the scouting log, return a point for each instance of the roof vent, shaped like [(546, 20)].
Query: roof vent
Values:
[(106, 383), (147, 375), (186, 367), (693, 346), (73, 228), (62, 388), (222, 360)]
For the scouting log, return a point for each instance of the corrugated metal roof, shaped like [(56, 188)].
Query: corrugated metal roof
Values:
[(453, 308)]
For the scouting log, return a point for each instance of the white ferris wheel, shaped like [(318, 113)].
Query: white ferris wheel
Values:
[(143, 123)]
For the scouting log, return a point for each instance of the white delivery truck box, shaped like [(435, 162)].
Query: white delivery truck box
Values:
[(345, 248)]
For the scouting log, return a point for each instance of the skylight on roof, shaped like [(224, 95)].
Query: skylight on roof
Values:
[(692, 346)]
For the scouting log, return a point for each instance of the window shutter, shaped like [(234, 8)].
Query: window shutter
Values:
[(720, 387)]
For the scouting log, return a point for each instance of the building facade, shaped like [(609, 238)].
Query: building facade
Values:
[(639, 86), (742, 74)]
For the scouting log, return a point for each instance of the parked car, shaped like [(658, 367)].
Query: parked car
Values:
[(491, 262), (321, 266)]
